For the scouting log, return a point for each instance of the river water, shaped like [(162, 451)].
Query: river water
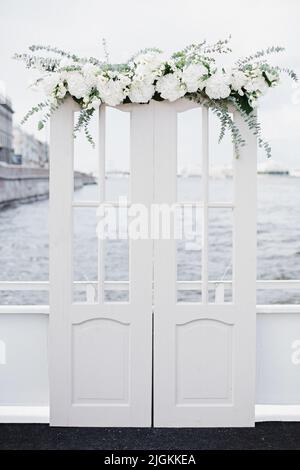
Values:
[(24, 239)]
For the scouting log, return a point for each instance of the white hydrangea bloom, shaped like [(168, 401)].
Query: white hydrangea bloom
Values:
[(123, 79), (50, 82), (218, 86), (90, 72), (141, 91), (149, 64), (257, 84), (111, 91), (66, 62), (192, 76), (238, 81), (77, 85), (89, 68), (170, 86)]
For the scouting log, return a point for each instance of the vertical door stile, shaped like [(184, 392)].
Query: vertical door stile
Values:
[(244, 269), (61, 263), (165, 267), (101, 192), (205, 183), (140, 264)]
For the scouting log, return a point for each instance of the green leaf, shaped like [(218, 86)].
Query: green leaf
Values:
[(40, 125)]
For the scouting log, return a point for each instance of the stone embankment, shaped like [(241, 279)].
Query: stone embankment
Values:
[(23, 184)]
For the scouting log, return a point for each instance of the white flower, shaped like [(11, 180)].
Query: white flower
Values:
[(50, 82), (253, 102), (238, 81), (258, 85), (66, 62), (192, 76), (217, 86), (170, 87), (90, 72), (77, 85), (123, 79), (94, 104), (89, 68), (140, 91), (149, 64), (61, 92), (111, 91), (273, 76)]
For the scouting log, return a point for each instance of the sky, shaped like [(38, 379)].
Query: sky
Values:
[(128, 26)]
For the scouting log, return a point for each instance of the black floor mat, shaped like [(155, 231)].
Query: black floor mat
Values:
[(278, 435)]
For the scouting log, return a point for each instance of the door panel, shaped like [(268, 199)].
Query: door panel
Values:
[(100, 351), (204, 353)]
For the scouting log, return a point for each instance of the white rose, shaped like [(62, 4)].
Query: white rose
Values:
[(170, 87), (140, 91), (111, 91), (192, 76), (217, 86), (76, 85)]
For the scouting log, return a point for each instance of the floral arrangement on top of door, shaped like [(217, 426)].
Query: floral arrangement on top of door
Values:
[(191, 73)]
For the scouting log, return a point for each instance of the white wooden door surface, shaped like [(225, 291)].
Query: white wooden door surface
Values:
[(204, 353), (100, 352)]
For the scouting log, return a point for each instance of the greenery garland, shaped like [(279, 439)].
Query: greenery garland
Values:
[(191, 73)]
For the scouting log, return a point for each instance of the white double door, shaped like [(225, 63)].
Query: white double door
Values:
[(151, 360)]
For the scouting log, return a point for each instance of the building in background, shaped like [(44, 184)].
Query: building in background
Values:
[(6, 130), (29, 151)]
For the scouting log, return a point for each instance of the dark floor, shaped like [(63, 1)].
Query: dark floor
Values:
[(277, 435)]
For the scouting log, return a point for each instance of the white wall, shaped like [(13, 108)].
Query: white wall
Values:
[(24, 373), (278, 363), (24, 370)]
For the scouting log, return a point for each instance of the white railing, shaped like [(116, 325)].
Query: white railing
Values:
[(90, 287)]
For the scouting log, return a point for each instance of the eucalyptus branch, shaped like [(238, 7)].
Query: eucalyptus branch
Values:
[(105, 50), (54, 50), (220, 47), (37, 62), (35, 109), (253, 124), (143, 51), (259, 55), (287, 71), (227, 123), (83, 121)]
